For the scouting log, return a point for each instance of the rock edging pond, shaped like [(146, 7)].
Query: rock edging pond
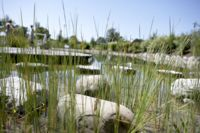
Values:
[(190, 62), (88, 108)]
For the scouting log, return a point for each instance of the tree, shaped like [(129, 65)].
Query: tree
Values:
[(101, 40), (93, 42), (60, 37), (112, 35), (196, 25), (42, 30), (137, 40)]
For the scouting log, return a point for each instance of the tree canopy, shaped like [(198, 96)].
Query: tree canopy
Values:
[(101, 40), (42, 30), (112, 35)]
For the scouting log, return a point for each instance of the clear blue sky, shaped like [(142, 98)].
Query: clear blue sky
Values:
[(125, 15)]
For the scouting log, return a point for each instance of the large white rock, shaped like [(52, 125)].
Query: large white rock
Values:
[(16, 88), (88, 108), (88, 83), (172, 60), (193, 62), (183, 86)]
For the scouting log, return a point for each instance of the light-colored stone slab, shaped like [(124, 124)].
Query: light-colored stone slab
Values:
[(184, 86), (89, 109), (88, 83), (16, 88)]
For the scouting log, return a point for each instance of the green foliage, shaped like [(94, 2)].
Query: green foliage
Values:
[(112, 35), (101, 47), (53, 44), (42, 30), (21, 30), (101, 40), (196, 43), (183, 44), (3, 110), (73, 41), (85, 45), (163, 44), (65, 40), (121, 46), (93, 42), (135, 48), (195, 95), (113, 47), (2, 25), (17, 39), (59, 38)]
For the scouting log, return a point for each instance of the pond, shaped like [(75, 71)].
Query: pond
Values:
[(130, 82)]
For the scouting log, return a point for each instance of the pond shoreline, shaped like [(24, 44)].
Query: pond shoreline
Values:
[(189, 62)]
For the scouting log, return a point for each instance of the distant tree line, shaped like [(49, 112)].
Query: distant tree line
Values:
[(113, 41)]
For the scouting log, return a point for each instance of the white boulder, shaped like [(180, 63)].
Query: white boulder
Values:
[(90, 110), (16, 88), (193, 62), (184, 86), (88, 83)]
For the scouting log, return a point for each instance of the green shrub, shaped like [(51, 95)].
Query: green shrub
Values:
[(53, 44), (144, 45), (195, 96), (123, 46), (183, 44), (163, 44), (73, 41), (17, 41), (101, 47), (135, 48), (196, 43), (113, 47), (85, 45)]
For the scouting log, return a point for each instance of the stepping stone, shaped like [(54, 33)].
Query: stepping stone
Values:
[(92, 113), (184, 86)]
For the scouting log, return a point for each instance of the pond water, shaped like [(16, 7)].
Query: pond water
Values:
[(144, 87), (63, 74)]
